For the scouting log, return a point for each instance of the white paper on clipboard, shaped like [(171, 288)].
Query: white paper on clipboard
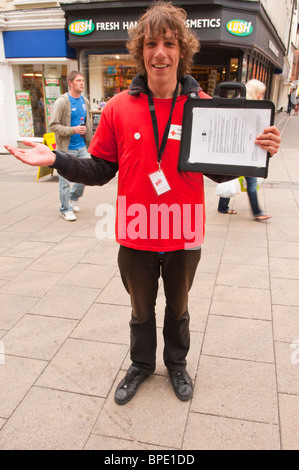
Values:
[(226, 136)]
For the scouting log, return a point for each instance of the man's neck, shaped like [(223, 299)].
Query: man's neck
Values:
[(163, 91), (74, 95)]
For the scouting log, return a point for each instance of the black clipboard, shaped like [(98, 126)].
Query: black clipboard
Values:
[(218, 102)]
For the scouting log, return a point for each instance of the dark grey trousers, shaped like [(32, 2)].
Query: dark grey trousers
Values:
[(140, 272)]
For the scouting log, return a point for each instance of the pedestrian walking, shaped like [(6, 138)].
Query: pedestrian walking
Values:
[(255, 90), (160, 210), (295, 100), (290, 105), (70, 121)]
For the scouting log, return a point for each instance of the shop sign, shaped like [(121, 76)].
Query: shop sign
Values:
[(84, 27), (204, 23), (239, 27), (273, 48), (81, 27)]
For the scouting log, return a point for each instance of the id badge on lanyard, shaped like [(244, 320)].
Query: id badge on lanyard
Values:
[(158, 178), (160, 182)]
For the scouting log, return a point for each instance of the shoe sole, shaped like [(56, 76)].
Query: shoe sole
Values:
[(69, 220), (183, 398), (124, 402)]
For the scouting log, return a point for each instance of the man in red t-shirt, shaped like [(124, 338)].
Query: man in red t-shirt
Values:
[(160, 211)]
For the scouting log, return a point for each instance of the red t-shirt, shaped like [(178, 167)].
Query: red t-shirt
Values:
[(170, 221)]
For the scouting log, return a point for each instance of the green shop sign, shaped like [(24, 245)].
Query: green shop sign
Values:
[(239, 27), (81, 27)]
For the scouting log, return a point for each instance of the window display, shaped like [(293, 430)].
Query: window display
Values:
[(208, 77), (106, 75), (42, 84), (33, 83)]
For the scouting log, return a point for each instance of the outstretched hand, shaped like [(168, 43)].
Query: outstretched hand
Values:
[(39, 155), (269, 140)]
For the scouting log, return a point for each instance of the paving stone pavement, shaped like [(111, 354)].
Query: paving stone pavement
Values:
[(64, 335)]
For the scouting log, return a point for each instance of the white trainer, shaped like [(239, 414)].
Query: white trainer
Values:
[(74, 206), (69, 216)]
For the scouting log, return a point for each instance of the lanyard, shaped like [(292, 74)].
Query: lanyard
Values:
[(155, 125)]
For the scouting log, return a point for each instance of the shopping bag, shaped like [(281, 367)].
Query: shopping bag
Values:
[(228, 189), (243, 183)]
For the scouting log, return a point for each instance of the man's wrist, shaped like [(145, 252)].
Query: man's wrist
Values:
[(62, 161)]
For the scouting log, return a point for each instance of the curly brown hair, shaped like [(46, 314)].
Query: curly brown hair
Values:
[(158, 18)]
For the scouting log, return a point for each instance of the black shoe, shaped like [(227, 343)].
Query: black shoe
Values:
[(182, 384), (127, 388)]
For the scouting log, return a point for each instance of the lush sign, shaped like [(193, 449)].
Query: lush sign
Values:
[(81, 27), (239, 27)]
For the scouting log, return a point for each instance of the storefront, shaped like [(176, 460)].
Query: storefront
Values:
[(37, 59), (39, 67), (237, 44)]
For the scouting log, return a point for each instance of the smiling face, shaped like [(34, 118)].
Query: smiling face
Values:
[(161, 56)]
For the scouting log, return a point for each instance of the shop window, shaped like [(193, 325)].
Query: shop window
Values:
[(106, 75), (250, 67), (266, 78), (254, 70), (244, 69), (234, 70), (258, 68), (263, 74), (33, 83), (37, 87), (208, 77)]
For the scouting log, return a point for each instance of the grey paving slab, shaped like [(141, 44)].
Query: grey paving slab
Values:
[(285, 323), (89, 275), (13, 391), (50, 420), (289, 411), (105, 322), (84, 367), (208, 432), (97, 442), (10, 266), (66, 302), (31, 283), (287, 361), (242, 302), (242, 338), (37, 336), (13, 308), (242, 275), (147, 419), (237, 389)]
